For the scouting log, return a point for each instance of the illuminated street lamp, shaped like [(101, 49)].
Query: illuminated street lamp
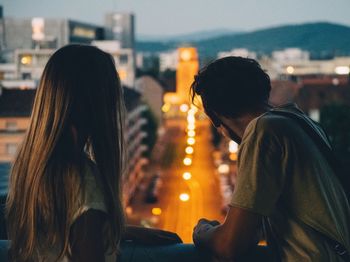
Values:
[(187, 161), (191, 126), (191, 119), (184, 108), (290, 70), (166, 107), (224, 169), (26, 60), (189, 150), (191, 133), (156, 211), (191, 141), (184, 197), (187, 176)]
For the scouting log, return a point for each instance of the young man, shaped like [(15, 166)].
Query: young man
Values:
[(285, 184)]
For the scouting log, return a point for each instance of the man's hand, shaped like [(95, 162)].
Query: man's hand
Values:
[(200, 231), (232, 238), (150, 236)]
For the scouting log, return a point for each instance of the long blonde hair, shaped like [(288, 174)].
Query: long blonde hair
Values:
[(79, 88)]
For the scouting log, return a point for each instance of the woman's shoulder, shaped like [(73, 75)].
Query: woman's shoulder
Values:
[(92, 192)]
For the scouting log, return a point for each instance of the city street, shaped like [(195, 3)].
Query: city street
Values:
[(183, 202)]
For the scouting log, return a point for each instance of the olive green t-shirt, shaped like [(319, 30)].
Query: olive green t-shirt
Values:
[(285, 178)]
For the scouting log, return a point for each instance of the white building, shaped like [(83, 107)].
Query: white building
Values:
[(124, 60), (290, 55), (152, 94), (168, 60), (336, 66), (121, 27), (242, 52), (26, 70)]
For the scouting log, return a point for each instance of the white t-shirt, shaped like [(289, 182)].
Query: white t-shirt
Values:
[(92, 198)]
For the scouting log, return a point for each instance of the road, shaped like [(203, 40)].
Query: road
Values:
[(202, 189)]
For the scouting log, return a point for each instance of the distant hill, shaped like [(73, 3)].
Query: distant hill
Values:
[(320, 39), (189, 37)]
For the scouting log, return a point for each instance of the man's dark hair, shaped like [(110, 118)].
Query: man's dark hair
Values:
[(232, 86)]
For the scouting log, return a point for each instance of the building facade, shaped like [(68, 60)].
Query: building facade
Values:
[(15, 110), (28, 33), (121, 27)]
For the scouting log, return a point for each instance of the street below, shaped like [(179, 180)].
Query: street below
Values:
[(187, 192)]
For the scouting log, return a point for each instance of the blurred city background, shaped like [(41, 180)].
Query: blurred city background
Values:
[(180, 169)]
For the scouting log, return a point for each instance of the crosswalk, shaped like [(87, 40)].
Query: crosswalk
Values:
[(4, 175)]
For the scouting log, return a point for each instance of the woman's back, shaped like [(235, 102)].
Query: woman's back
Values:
[(90, 199), (78, 111)]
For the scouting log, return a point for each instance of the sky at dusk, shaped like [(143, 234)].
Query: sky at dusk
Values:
[(164, 17)]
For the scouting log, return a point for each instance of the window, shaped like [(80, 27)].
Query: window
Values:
[(123, 59), (11, 126), (11, 149)]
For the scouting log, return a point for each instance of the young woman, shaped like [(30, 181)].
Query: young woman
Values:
[(64, 194)]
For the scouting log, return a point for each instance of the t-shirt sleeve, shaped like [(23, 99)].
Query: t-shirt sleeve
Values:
[(92, 195), (260, 176)]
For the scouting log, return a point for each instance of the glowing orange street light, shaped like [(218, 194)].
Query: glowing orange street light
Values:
[(184, 197), (224, 169), (187, 161), (156, 211), (191, 119), (191, 133), (184, 108), (191, 126), (191, 141), (187, 176), (189, 150)]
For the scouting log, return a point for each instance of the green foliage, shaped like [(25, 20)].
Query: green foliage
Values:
[(335, 119), (150, 128)]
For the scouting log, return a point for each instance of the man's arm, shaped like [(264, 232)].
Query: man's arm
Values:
[(232, 238)]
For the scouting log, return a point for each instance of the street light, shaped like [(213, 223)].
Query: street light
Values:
[(290, 70), (191, 126), (189, 150), (184, 197), (166, 107), (187, 161), (191, 119), (224, 168), (156, 211), (191, 133), (187, 176), (184, 108), (191, 141)]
